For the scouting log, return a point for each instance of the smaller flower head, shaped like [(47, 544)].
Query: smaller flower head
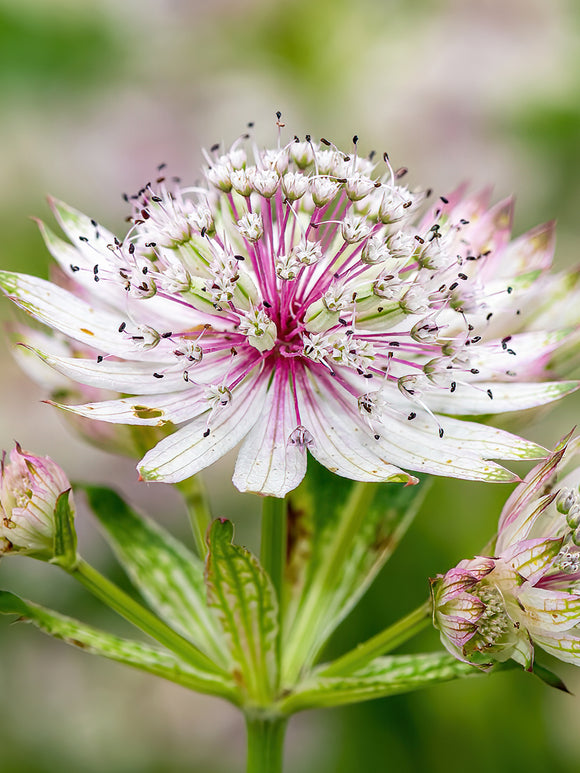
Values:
[(495, 608), (29, 489)]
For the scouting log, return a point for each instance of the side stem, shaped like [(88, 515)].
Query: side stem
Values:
[(265, 744), (273, 544), (139, 616), (198, 510), (383, 642)]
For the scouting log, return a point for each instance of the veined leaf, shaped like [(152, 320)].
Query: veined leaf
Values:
[(168, 575), (131, 653), (383, 677), (245, 602), (340, 535)]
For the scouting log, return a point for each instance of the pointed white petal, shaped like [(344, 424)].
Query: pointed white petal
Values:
[(131, 377), (480, 439), (267, 462), (427, 452), (474, 400), (192, 448), (146, 410), (342, 442)]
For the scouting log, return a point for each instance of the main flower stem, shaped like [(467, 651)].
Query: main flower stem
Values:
[(383, 642), (139, 616), (265, 744), (273, 545), (196, 501)]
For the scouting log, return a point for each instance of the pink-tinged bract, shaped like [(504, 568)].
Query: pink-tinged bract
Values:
[(300, 302), (528, 593), (29, 489)]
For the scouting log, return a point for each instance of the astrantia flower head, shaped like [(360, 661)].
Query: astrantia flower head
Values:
[(29, 489), (494, 608), (296, 301)]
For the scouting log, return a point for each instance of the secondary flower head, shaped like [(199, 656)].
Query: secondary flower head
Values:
[(296, 302), (494, 608), (29, 489)]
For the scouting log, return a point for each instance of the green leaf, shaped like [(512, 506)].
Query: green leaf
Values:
[(383, 677), (131, 653), (549, 678), (65, 536), (245, 602), (341, 534), (168, 576)]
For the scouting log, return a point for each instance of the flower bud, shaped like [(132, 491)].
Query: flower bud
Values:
[(29, 490)]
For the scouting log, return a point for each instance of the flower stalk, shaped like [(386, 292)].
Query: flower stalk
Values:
[(383, 642), (265, 737)]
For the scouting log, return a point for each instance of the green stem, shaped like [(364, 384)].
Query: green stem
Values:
[(198, 510), (273, 545), (265, 744), (306, 638), (383, 642), (139, 616)]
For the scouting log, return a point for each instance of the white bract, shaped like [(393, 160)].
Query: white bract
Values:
[(302, 286)]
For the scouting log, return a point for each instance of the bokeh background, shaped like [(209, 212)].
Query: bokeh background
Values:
[(94, 94)]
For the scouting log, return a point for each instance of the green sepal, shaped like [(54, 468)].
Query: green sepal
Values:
[(65, 536), (340, 535), (549, 678), (242, 595), (168, 576), (381, 678), (132, 653)]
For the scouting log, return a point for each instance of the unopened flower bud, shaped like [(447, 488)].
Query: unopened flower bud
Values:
[(29, 490)]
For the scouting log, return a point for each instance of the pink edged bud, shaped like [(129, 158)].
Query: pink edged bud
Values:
[(30, 487)]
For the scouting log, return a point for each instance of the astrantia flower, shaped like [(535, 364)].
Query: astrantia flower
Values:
[(29, 489), (494, 608), (295, 302)]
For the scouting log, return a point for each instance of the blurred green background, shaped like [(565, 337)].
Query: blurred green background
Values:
[(94, 94)]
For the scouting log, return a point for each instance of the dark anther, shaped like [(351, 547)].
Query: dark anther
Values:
[(368, 375), (185, 375), (166, 335), (83, 239), (206, 433), (453, 386), (156, 198), (308, 138), (441, 432), (125, 197), (419, 239), (401, 172), (377, 437), (355, 139), (489, 316), (462, 276), (215, 147), (131, 249), (342, 321), (122, 326), (407, 204), (94, 223), (158, 375), (100, 358), (202, 232), (474, 371), (394, 343), (444, 200), (74, 268), (267, 304), (96, 269), (453, 286), (490, 394), (411, 416), (386, 157), (278, 114), (510, 290), (510, 351), (239, 257)]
